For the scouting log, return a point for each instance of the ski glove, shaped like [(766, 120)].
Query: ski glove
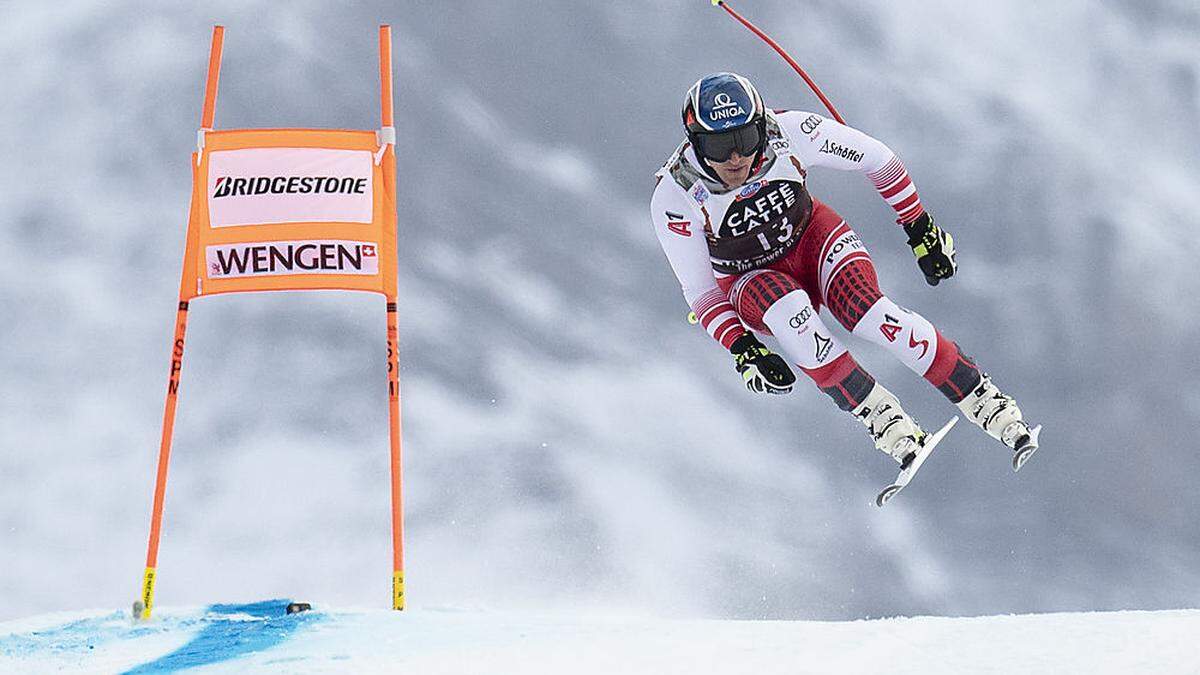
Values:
[(762, 370), (934, 248)]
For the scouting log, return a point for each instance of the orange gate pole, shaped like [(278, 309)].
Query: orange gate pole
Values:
[(393, 368), (387, 138), (142, 607), (214, 75), (145, 602)]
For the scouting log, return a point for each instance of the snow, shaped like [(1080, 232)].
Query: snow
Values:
[(260, 637)]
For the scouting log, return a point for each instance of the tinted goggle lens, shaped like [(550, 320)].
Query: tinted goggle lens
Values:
[(719, 146)]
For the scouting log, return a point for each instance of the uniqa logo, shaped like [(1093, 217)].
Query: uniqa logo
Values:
[(723, 100), (725, 107)]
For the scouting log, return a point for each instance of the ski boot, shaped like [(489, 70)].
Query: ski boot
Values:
[(998, 415), (895, 433)]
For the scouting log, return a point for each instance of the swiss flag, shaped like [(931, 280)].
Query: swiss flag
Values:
[(368, 250)]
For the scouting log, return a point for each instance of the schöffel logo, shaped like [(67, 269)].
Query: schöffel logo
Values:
[(273, 258), (831, 148), (229, 186)]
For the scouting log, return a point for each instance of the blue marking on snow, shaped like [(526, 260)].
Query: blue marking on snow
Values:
[(75, 637), (231, 631)]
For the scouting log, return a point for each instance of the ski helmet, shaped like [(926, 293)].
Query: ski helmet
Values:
[(722, 113)]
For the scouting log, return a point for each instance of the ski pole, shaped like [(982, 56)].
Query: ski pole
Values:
[(791, 62)]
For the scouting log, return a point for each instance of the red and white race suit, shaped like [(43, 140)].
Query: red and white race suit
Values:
[(767, 255)]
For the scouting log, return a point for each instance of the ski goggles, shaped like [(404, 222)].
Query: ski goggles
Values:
[(718, 146)]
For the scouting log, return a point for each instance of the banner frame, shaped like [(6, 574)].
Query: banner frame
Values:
[(384, 157)]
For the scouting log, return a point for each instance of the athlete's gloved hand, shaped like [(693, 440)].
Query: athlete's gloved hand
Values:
[(934, 248), (762, 370)]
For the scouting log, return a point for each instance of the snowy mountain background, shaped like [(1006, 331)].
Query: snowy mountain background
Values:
[(570, 441)]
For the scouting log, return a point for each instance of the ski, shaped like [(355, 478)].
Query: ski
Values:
[(1026, 449), (907, 474)]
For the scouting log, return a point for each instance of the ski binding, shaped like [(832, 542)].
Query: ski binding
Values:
[(908, 472), (1027, 449)]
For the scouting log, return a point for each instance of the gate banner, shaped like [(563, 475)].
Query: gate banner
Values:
[(290, 209)]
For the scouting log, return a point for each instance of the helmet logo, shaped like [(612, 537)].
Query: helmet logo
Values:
[(724, 107)]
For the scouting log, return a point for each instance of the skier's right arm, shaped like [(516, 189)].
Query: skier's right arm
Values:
[(679, 226), (680, 229)]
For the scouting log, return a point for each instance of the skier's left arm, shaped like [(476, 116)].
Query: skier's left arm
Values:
[(819, 141)]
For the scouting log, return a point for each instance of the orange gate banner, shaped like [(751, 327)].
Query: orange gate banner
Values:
[(291, 209)]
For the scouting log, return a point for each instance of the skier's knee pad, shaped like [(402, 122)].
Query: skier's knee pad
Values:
[(803, 336), (852, 291), (755, 292), (907, 335)]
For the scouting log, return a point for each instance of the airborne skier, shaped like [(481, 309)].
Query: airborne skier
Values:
[(752, 248)]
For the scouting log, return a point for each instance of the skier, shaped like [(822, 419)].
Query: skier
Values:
[(752, 248)]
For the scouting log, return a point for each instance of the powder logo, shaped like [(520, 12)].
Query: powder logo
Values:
[(274, 258), (845, 245), (265, 186)]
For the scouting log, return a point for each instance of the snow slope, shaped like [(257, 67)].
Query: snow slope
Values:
[(261, 637)]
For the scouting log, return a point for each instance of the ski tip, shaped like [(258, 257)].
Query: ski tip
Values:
[(1028, 449), (885, 496)]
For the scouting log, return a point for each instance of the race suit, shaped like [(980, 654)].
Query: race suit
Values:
[(767, 255)]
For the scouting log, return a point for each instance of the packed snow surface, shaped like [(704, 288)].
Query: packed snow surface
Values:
[(261, 637)]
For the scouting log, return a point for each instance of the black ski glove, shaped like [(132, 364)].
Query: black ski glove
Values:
[(762, 370), (934, 248)]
